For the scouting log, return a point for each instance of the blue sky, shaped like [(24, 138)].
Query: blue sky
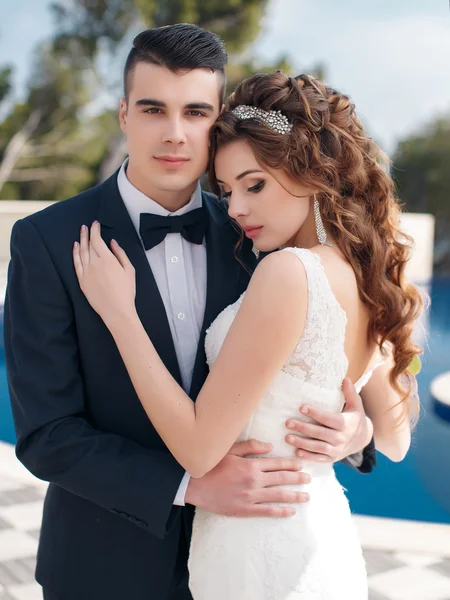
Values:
[(391, 56)]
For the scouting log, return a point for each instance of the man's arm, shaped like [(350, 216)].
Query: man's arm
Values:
[(54, 439)]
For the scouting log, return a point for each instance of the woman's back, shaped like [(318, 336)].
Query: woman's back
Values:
[(359, 349), (315, 554)]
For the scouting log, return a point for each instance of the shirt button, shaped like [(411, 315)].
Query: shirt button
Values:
[(181, 316), (174, 259)]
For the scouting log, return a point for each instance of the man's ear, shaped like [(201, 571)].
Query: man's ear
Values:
[(123, 114), (223, 108)]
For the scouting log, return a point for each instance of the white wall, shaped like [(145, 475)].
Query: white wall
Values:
[(10, 212), (421, 228)]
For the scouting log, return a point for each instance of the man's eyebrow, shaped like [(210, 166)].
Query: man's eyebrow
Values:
[(160, 104), (203, 105), (150, 102)]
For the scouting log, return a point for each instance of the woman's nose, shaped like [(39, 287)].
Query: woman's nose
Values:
[(237, 208)]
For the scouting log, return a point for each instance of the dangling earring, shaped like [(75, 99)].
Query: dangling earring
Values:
[(320, 229)]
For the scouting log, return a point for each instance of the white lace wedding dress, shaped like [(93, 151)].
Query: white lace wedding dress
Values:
[(316, 554)]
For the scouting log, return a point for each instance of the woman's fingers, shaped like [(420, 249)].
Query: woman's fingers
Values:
[(77, 261), (84, 246), (96, 242), (121, 255)]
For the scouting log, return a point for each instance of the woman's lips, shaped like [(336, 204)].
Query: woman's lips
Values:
[(252, 232)]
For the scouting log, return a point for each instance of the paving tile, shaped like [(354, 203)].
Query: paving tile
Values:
[(6, 596), (30, 591), (23, 516), (409, 583), (7, 483), (21, 495), (415, 559), (376, 596), (7, 577), (442, 567), (378, 561), (20, 570), (4, 524), (16, 544)]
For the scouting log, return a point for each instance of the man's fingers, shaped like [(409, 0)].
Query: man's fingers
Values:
[(250, 447), (323, 417), (281, 495), (279, 464), (277, 478), (269, 510)]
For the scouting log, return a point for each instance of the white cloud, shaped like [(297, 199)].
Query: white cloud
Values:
[(395, 67)]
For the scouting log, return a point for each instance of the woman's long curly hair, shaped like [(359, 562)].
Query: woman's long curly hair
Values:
[(328, 150)]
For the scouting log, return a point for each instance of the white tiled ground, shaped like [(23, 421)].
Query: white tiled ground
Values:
[(405, 560)]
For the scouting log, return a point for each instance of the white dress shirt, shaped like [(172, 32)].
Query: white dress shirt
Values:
[(179, 269)]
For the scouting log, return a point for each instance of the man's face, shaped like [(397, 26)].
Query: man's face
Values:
[(167, 121)]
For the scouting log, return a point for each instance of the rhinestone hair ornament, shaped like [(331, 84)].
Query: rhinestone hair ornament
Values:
[(273, 118)]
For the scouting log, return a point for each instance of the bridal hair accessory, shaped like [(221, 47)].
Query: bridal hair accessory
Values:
[(320, 229), (273, 118)]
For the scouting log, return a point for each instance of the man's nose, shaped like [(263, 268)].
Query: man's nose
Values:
[(174, 132)]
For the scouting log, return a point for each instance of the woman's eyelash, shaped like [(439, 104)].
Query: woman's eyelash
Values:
[(257, 187)]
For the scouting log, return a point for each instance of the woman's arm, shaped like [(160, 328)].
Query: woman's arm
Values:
[(263, 335), (383, 406)]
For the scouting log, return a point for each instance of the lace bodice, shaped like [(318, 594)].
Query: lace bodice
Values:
[(319, 356), (314, 555)]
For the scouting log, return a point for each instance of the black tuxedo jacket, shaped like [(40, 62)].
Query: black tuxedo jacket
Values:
[(110, 530)]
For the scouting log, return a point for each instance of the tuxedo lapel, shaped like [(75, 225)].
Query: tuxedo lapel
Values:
[(223, 270), (116, 223)]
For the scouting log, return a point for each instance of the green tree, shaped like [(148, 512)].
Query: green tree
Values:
[(52, 145), (420, 167), (5, 82), (56, 94)]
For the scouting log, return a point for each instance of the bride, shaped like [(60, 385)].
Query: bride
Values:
[(305, 183)]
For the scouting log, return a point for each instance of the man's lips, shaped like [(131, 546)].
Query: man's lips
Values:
[(172, 159)]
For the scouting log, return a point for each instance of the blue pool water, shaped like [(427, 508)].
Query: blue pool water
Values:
[(417, 488)]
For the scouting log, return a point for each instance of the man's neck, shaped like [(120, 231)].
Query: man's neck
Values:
[(170, 200)]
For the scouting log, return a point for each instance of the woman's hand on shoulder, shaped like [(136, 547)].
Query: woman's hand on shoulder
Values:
[(106, 277)]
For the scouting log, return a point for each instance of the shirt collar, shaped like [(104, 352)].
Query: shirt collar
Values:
[(136, 202)]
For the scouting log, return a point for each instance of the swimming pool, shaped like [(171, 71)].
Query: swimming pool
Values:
[(418, 488)]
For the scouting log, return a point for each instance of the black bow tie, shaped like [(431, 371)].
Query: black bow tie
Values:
[(154, 228)]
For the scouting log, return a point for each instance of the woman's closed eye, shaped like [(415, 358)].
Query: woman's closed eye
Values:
[(257, 187)]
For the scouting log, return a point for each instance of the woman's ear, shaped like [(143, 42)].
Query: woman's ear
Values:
[(223, 108)]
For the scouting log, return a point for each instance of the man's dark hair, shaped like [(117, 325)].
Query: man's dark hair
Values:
[(178, 47)]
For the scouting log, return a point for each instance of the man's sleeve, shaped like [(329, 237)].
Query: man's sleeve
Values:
[(365, 460), (54, 439)]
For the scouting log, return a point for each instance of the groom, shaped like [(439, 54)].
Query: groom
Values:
[(118, 512)]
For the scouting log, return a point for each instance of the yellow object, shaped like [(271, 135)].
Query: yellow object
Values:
[(415, 365)]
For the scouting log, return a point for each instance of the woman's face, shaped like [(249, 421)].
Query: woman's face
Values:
[(264, 203)]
